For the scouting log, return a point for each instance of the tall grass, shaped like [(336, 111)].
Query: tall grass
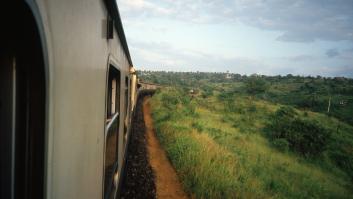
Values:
[(220, 152)]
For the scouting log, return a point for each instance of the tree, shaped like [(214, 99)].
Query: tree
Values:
[(255, 85)]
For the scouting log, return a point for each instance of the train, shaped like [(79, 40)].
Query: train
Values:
[(68, 90)]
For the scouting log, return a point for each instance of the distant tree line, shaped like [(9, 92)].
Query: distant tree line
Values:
[(329, 95)]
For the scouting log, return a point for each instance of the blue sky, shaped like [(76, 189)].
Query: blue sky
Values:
[(271, 37)]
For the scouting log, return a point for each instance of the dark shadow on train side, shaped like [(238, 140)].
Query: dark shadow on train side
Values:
[(147, 92), (22, 104)]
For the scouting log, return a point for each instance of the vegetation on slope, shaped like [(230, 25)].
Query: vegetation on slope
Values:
[(225, 144), (317, 94)]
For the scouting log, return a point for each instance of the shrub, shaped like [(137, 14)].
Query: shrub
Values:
[(207, 92), (286, 111), (169, 100), (344, 161), (308, 136), (305, 136), (282, 144), (280, 122), (185, 99), (255, 85), (252, 108), (225, 96), (190, 110), (198, 126), (229, 105)]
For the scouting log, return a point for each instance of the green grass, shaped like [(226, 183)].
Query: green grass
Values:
[(220, 150)]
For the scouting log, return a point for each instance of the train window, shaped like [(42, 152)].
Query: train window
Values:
[(126, 121), (113, 91), (126, 94), (132, 97), (113, 95), (112, 130)]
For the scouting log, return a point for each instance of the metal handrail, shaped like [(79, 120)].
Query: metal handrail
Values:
[(111, 122)]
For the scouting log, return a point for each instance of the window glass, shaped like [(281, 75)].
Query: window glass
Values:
[(112, 130), (126, 121), (113, 99)]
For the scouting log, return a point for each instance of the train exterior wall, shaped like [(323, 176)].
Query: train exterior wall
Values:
[(78, 55)]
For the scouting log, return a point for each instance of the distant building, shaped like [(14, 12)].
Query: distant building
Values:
[(343, 102), (193, 92), (228, 75)]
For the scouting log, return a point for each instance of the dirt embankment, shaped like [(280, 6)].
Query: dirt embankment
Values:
[(148, 172), (166, 179)]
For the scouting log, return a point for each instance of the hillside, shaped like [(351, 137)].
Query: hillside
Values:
[(240, 138), (306, 93)]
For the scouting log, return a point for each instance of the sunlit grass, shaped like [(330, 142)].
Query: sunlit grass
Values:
[(224, 154)]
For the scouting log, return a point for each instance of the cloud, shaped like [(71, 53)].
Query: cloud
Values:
[(332, 53), (164, 56), (350, 50), (293, 20), (143, 8), (299, 58), (298, 20), (301, 20), (337, 71)]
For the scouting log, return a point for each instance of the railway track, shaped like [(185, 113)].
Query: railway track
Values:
[(148, 174), (139, 179)]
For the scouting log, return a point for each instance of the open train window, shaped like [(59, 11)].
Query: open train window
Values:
[(112, 131)]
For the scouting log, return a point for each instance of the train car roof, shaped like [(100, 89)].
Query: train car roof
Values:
[(113, 10)]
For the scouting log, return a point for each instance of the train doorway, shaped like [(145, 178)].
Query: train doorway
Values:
[(22, 104)]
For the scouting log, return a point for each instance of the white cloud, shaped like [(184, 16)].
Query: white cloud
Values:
[(300, 58), (144, 7), (333, 52), (152, 54), (137, 4), (163, 56), (294, 20), (299, 20)]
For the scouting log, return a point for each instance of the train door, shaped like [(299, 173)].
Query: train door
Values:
[(112, 133), (22, 104)]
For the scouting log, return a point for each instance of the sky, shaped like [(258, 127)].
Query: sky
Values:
[(269, 37)]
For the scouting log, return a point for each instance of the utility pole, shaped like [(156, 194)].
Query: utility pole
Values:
[(329, 105)]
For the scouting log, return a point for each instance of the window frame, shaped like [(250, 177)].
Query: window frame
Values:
[(127, 107), (111, 119)]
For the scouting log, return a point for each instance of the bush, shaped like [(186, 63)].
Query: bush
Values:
[(169, 100), (207, 92), (190, 109), (255, 85), (305, 136), (225, 96), (286, 111), (308, 136), (281, 144), (198, 126), (252, 108), (344, 161)]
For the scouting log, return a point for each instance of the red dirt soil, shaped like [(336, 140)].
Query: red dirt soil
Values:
[(166, 179)]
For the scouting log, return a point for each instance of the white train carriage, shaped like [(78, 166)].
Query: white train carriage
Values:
[(67, 89)]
